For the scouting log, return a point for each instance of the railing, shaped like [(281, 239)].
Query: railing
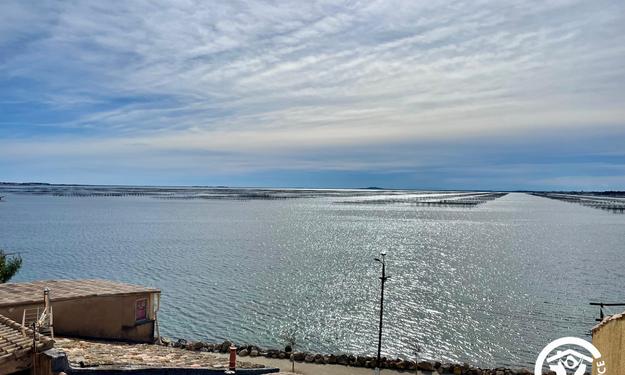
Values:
[(41, 318), (601, 306)]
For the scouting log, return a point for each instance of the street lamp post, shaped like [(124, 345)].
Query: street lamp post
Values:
[(383, 279)]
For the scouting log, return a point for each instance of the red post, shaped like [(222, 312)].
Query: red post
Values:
[(233, 358)]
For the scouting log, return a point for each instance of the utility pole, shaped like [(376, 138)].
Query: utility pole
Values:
[(383, 279)]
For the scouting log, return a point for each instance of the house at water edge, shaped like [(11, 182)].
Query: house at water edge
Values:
[(98, 309)]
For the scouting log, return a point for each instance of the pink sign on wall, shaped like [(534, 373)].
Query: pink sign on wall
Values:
[(141, 309)]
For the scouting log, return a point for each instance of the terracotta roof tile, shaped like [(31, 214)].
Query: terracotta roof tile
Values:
[(608, 319), (15, 342)]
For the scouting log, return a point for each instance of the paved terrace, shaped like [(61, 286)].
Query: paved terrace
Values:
[(83, 353)]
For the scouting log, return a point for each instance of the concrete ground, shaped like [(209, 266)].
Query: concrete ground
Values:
[(315, 369)]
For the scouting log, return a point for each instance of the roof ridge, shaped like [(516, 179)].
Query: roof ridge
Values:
[(607, 319), (12, 294)]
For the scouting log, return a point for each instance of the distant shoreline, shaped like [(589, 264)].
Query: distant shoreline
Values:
[(611, 193)]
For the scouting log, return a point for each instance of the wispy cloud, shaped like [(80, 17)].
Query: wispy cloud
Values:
[(255, 80)]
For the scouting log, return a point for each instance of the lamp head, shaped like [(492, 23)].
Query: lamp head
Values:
[(383, 253)]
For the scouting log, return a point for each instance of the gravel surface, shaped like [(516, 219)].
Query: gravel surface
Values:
[(85, 353)]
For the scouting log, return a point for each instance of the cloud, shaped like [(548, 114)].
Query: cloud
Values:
[(294, 78)]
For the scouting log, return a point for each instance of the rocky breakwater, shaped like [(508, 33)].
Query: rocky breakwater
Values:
[(345, 359)]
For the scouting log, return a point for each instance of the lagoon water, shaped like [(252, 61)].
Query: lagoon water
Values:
[(489, 285)]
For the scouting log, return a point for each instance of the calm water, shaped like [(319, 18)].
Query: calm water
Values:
[(490, 285)]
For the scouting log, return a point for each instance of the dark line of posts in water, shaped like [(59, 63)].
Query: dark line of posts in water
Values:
[(613, 204), (452, 199)]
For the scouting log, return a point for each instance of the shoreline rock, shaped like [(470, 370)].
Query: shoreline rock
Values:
[(399, 364)]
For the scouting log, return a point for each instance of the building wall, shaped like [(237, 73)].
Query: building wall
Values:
[(106, 317), (609, 338), (42, 366), (14, 366)]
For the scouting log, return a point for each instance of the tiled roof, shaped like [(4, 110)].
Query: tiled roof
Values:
[(12, 294), (608, 319), (15, 344)]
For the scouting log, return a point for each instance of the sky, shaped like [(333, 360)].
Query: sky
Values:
[(501, 95)]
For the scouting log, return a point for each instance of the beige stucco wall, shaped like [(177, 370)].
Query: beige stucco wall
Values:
[(106, 317), (609, 338)]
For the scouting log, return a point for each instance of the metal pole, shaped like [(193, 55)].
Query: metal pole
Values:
[(34, 349), (383, 279)]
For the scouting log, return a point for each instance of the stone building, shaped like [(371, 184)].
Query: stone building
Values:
[(98, 309), (609, 337)]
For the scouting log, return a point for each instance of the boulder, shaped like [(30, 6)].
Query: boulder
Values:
[(225, 346), (309, 358), (272, 353), (332, 359), (342, 360), (401, 365), (466, 366), (425, 366), (165, 341), (318, 358), (181, 343), (282, 355), (254, 353), (446, 368), (195, 345), (383, 362), (299, 356), (244, 352)]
